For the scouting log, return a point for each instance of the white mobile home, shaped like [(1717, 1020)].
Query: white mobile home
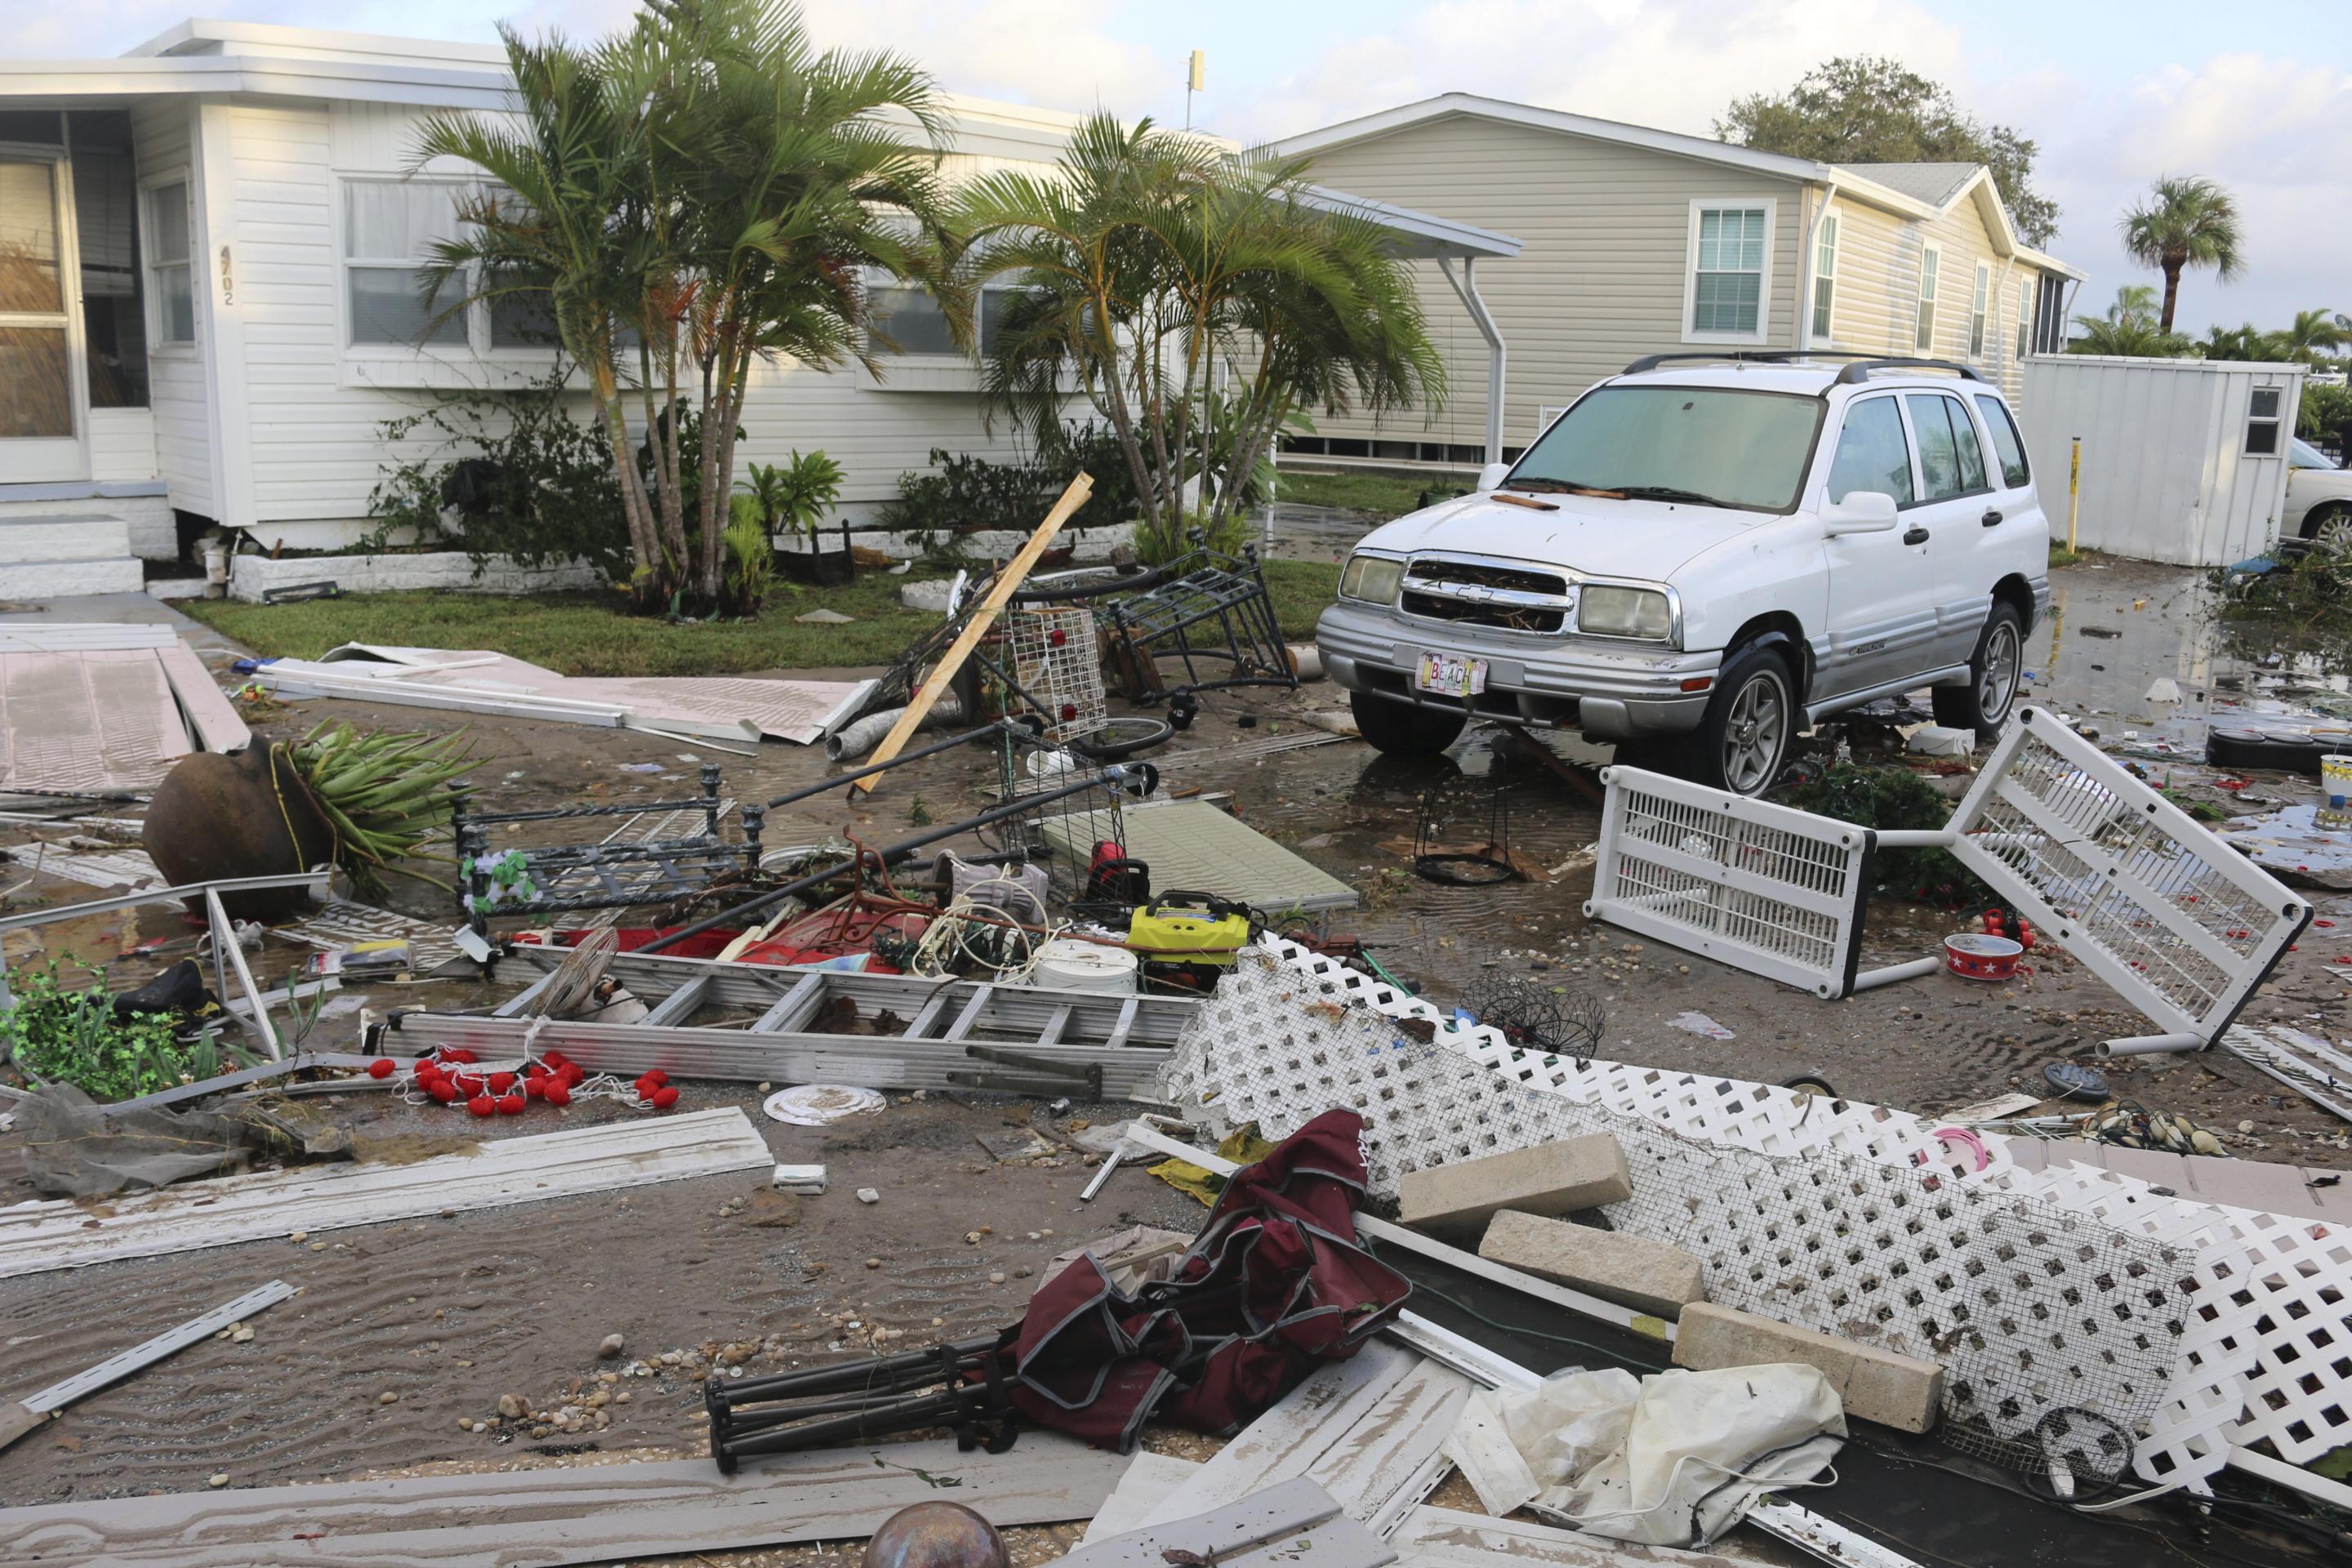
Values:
[(208, 304)]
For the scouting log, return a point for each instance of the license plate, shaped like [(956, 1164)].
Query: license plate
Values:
[(1450, 675)]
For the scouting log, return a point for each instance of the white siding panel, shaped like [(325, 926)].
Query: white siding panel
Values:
[(1601, 281), (123, 446), (178, 394)]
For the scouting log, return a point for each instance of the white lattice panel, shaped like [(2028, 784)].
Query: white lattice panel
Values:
[(2267, 1351), (2031, 1307)]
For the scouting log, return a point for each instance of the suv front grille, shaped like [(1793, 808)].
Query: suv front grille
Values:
[(1486, 594)]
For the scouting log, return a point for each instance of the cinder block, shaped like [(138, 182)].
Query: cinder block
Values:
[(1898, 1391), (1631, 1270), (1548, 1179)]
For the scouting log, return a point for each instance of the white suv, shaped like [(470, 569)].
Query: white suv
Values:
[(1705, 556)]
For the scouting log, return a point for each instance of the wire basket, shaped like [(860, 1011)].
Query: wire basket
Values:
[(1055, 663), (1081, 840)]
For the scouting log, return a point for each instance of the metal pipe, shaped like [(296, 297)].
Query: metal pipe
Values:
[(856, 739), (1870, 980), (995, 727), (903, 850)]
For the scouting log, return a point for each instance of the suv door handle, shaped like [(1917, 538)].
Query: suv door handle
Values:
[(1992, 516), (1915, 536)]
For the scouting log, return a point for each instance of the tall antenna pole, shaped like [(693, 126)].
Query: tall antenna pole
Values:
[(1195, 81)]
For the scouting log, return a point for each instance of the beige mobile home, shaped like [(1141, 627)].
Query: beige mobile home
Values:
[(1639, 242)]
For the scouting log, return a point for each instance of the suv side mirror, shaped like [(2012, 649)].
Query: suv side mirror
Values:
[(1863, 511), (1491, 476)]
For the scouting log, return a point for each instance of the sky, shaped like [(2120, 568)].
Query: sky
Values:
[(2256, 94)]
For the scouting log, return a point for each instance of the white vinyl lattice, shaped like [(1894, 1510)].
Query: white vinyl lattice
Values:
[(2155, 905), (2034, 1309), (1055, 660), (1763, 888), (2267, 1350)]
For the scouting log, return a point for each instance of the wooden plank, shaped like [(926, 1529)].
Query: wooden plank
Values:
[(546, 1518), (1287, 1442), (212, 718), (1388, 1462), (62, 1234), (1290, 1524), (1145, 1483), (1008, 583)]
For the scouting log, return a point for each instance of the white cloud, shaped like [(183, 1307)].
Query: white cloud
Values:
[(1054, 53)]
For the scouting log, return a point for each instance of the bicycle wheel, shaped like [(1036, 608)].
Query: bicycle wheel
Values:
[(1123, 737)]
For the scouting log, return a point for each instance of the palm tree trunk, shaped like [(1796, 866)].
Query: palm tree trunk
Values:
[(2171, 294)]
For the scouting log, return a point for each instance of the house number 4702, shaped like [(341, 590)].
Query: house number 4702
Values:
[(228, 285)]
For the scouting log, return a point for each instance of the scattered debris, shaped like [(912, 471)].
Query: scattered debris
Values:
[(1701, 1025), (227, 1319)]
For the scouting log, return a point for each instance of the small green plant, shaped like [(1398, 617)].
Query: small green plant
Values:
[(750, 556), (917, 813), (59, 1034), (796, 496)]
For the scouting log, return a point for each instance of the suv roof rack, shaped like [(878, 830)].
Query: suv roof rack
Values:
[(1857, 370)]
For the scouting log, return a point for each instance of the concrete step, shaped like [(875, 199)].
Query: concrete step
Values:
[(70, 579), (34, 541)]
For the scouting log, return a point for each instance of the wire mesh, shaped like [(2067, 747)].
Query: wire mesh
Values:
[(1079, 841), (1055, 659), (2031, 1310)]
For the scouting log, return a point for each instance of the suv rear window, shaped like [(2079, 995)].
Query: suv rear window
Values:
[(2006, 443), (1704, 445)]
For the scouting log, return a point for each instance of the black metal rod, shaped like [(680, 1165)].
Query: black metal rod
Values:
[(1110, 778), (843, 781)]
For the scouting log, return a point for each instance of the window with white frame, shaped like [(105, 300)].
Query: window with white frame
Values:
[(1729, 245), (171, 267), (2024, 316), (1980, 310), (910, 320), (390, 226), (1824, 275), (1923, 328), (2262, 421)]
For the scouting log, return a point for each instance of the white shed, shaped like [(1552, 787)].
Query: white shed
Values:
[(2184, 461)]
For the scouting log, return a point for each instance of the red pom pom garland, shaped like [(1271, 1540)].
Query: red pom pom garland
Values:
[(499, 1090)]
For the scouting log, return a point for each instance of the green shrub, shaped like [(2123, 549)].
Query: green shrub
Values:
[(1891, 797), (523, 477), (2326, 410), (961, 493), (57, 1033)]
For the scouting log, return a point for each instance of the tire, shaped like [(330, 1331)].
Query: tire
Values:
[(1996, 675), (1742, 745), (1122, 738), (1404, 729), (2330, 525)]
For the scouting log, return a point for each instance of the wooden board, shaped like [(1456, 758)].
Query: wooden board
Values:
[(1293, 1438), (1008, 583), (62, 1234), (551, 1516), (213, 718)]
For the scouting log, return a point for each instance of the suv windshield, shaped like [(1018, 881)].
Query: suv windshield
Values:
[(1707, 445)]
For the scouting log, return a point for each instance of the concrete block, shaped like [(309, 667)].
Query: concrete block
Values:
[(1631, 1270), (1896, 1391), (1548, 1179)]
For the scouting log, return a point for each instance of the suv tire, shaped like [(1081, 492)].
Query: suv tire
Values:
[(1404, 729), (1996, 674), (1743, 743)]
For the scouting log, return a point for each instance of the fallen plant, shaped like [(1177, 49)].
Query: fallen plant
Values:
[(59, 1034), (379, 792)]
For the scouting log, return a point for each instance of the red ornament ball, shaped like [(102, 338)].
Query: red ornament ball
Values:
[(557, 1092), (501, 1081), (512, 1104), (662, 1099), (381, 1068), (482, 1105)]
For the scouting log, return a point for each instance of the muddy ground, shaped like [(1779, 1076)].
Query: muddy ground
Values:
[(449, 1313)]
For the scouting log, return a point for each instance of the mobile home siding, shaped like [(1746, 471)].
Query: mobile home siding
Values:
[(1602, 279), (315, 408), (163, 133), (1878, 263)]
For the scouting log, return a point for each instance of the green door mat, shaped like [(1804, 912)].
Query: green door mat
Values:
[(1194, 846)]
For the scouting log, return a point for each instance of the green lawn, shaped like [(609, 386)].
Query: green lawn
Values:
[(585, 634), (1383, 495)]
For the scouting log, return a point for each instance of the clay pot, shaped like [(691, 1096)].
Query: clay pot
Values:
[(936, 1535), (218, 816)]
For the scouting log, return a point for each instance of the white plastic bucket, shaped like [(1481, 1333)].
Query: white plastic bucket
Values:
[(2335, 781), (1065, 965)]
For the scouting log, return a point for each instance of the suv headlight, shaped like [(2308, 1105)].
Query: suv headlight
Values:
[(1610, 612), (1371, 578)]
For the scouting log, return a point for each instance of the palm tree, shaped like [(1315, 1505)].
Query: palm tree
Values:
[(2128, 328), (2188, 222), (697, 193), (1149, 262), (2245, 344), (2313, 331)]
